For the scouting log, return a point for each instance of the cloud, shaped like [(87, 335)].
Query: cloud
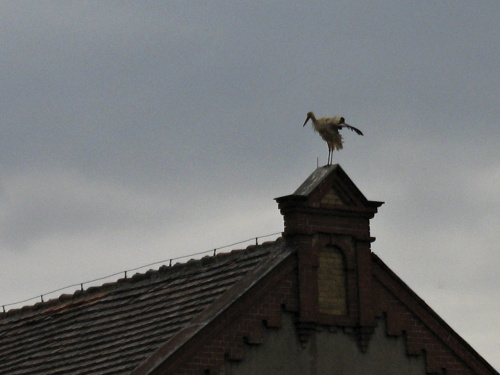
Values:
[(47, 202), (136, 132)]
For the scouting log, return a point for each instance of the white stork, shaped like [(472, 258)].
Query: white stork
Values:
[(328, 128)]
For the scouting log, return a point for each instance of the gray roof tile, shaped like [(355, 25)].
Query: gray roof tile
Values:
[(113, 328)]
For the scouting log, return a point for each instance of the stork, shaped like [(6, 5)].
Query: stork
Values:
[(328, 128)]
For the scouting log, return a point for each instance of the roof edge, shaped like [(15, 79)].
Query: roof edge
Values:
[(164, 270), (326, 175), (427, 315), (221, 305)]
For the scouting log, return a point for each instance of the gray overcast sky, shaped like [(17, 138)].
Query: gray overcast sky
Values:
[(139, 131)]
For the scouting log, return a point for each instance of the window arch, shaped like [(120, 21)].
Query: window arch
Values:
[(332, 290)]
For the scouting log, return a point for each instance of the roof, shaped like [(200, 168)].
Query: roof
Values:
[(191, 315), (331, 178), (314, 180), (114, 328)]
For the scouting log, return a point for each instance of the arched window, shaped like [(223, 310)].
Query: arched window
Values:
[(332, 293)]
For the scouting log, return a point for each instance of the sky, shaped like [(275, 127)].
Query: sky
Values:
[(136, 132)]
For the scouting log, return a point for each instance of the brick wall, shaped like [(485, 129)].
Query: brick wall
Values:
[(334, 282), (228, 337)]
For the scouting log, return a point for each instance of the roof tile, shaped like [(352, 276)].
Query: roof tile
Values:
[(113, 328)]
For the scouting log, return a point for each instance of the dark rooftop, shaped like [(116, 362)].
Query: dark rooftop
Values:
[(113, 328)]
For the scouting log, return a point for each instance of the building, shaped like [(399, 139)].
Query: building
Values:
[(316, 301)]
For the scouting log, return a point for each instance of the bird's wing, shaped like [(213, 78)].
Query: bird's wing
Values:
[(352, 128)]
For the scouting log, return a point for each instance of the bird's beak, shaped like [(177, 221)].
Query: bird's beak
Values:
[(307, 119)]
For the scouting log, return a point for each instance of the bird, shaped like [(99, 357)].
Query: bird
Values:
[(328, 128)]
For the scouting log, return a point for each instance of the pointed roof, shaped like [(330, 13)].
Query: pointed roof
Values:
[(319, 176), (329, 186)]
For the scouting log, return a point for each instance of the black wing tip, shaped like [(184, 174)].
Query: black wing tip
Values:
[(356, 130)]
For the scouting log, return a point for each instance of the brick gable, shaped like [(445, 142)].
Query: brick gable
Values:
[(329, 304)]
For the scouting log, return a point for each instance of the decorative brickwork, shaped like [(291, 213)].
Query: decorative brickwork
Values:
[(334, 284), (332, 294), (319, 287), (227, 339), (424, 331)]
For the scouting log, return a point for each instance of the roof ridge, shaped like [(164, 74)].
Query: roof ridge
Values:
[(163, 271)]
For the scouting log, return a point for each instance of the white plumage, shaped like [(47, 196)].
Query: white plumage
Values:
[(328, 128)]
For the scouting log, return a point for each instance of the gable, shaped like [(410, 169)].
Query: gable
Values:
[(241, 324), (332, 198), (331, 186), (315, 301), (328, 352), (425, 332), (262, 333)]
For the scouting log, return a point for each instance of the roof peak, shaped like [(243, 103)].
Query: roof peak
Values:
[(315, 178), (333, 180)]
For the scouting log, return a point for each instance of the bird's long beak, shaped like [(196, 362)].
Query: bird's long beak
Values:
[(307, 119)]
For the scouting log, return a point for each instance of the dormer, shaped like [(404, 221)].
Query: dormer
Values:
[(328, 219)]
